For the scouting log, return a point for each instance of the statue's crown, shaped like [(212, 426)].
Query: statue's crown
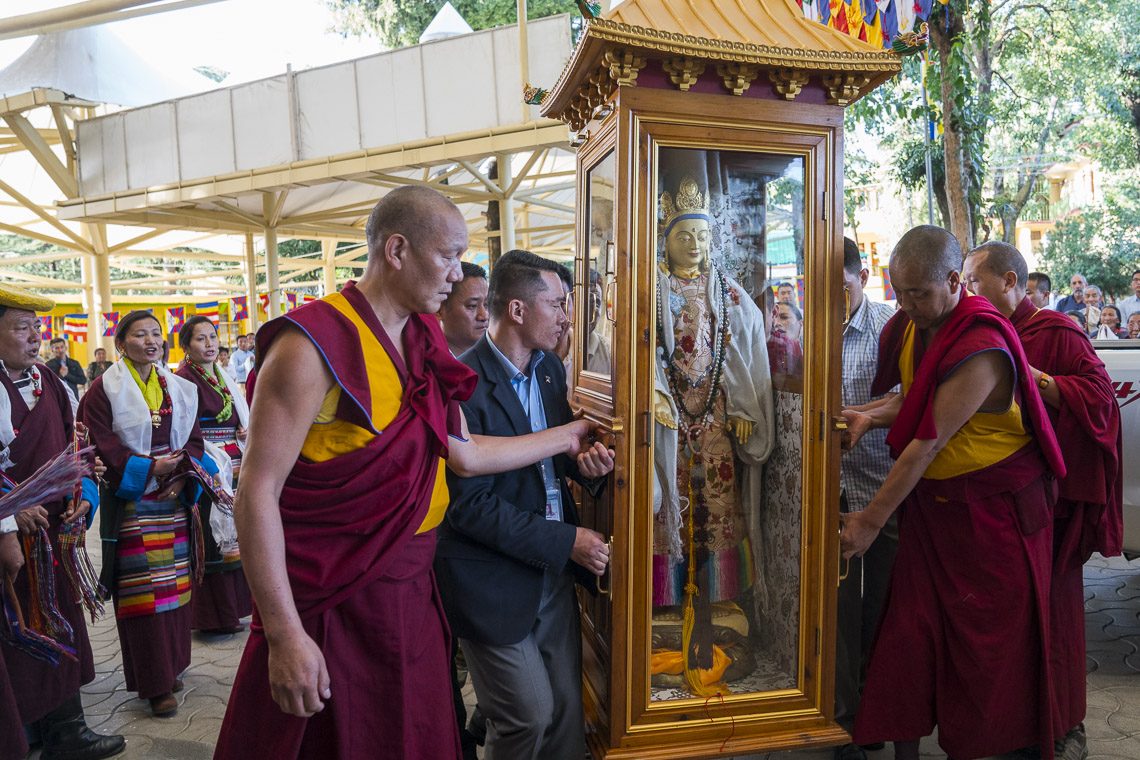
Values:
[(689, 200)]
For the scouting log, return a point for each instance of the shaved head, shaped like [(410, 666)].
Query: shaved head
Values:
[(999, 258), (418, 213), (931, 252)]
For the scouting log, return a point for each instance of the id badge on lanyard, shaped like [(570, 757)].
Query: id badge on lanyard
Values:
[(553, 502)]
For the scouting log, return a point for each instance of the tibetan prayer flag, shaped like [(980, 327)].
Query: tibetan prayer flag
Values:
[(307, 298), (290, 301), (263, 300), (888, 291), (800, 290), (110, 323), (175, 318), (239, 308), (45, 329), (208, 310), (75, 327)]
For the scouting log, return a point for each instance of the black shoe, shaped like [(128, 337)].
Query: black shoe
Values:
[(67, 737), (874, 747), (850, 752), (1075, 745)]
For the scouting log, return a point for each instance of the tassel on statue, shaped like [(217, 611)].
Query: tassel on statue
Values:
[(704, 663)]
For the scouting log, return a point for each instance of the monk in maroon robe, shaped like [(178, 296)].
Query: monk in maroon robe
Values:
[(963, 642), (36, 424), (342, 487), (1088, 516)]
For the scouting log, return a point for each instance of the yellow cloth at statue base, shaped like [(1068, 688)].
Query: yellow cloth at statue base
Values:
[(672, 662)]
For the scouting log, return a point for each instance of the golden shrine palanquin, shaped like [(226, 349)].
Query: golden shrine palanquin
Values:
[(710, 154)]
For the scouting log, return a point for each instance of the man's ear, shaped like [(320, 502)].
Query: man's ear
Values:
[(396, 250), (863, 275), (516, 310)]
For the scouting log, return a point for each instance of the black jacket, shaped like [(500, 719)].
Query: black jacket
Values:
[(75, 376), (496, 542)]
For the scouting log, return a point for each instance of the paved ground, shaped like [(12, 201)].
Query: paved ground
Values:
[(1112, 591)]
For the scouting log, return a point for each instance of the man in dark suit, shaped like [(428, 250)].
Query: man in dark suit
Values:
[(69, 370), (511, 549)]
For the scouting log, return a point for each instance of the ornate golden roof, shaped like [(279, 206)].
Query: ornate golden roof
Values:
[(740, 38)]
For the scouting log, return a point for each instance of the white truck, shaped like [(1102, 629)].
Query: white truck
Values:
[(1122, 359)]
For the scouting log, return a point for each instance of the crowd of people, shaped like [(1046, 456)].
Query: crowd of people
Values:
[(1088, 307), (404, 460)]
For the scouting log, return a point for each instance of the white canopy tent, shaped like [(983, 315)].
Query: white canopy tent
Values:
[(303, 154)]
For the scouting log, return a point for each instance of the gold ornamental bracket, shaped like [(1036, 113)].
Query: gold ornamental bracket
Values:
[(733, 43)]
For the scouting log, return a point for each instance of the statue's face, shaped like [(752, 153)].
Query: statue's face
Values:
[(688, 244)]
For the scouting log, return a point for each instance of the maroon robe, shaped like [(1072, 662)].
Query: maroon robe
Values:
[(964, 637), (1089, 513), (223, 597), (360, 576), (13, 740), (43, 433)]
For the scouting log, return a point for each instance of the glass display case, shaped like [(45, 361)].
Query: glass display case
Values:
[(709, 308)]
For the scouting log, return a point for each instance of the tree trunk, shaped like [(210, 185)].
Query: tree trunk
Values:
[(957, 179)]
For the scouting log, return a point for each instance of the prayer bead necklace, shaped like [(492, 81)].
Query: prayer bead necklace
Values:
[(165, 407), (695, 420), (220, 388)]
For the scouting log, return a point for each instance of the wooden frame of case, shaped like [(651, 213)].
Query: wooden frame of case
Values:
[(622, 722)]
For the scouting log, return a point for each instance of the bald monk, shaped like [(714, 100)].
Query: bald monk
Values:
[(963, 641), (1089, 515), (355, 414)]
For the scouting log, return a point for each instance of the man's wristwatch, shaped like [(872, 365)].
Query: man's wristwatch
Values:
[(1043, 381)]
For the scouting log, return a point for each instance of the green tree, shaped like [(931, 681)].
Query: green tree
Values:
[(398, 23), (1103, 243)]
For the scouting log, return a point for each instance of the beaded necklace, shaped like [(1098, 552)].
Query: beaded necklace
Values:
[(695, 419), (37, 387), (37, 382), (215, 381)]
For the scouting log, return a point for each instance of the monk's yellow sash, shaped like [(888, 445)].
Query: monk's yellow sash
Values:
[(986, 439), (330, 436)]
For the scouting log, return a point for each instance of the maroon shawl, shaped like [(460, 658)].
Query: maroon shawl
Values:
[(1087, 424), (916, 417), (345, 519)]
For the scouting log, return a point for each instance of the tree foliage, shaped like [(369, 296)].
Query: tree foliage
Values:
[(398, 23), (1016, 87), (1103, 243)]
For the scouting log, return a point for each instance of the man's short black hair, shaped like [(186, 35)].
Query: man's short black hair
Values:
[(852, 261), (1133, 274), (517, 275), (54, 341), (1003, 257), (566, 276), (472, 270), (1042, 280)]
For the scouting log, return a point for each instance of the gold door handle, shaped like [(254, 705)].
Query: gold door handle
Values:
[(839, 424), (605, 590)]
